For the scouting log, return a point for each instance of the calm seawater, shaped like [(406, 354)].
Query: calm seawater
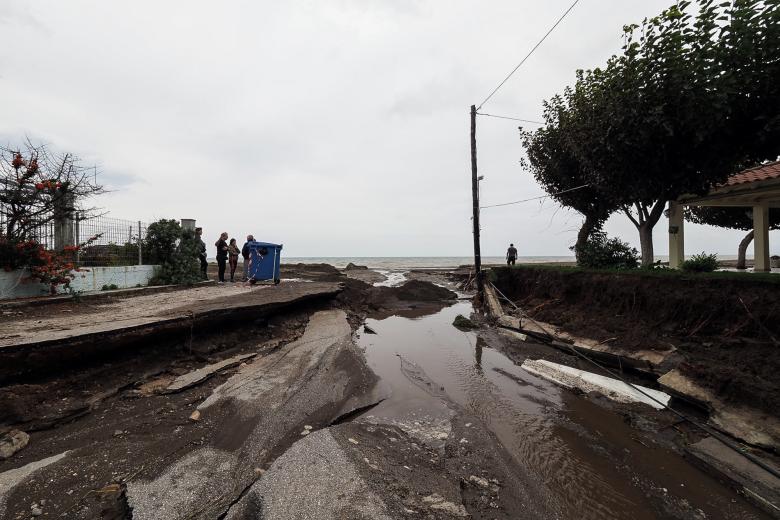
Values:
[(408, 262)]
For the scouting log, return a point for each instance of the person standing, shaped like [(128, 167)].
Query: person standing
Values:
[(204, 265), (511, 255), (222, 254), (245, 253), (233, 252)]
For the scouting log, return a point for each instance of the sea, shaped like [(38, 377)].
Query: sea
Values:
[(417, 262)]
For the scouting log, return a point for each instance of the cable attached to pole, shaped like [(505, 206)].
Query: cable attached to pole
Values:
[(530, 53)]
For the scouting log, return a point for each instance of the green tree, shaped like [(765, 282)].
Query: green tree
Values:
[(176, 250), (658, 120), (554, 166)]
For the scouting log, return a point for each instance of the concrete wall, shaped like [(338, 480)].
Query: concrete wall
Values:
[(15, 284)]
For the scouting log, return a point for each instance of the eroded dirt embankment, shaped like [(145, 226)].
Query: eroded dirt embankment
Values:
[(725, 329)]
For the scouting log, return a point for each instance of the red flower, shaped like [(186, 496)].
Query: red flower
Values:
[(18, 161), (38, 185)]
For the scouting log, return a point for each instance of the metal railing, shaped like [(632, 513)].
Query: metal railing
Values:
[(120, 242)]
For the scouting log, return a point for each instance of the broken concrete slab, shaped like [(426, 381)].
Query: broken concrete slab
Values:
[(129, 314), (747, 424), (614, 389), (44, 344), (266, 403), (313, 480), (754, 482), (198, 376), (11, 442), (13, 477)]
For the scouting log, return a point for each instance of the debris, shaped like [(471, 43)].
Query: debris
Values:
[(479, 481), (305, 432), (118, 433), (11, 442), (195, 416), (463, 322), (198, 376), (368, 330), (437, 502), (614, 389), (353, 441), (35, 510), (307, 427), (111, 488)]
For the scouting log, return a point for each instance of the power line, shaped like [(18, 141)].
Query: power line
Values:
[(512, 118), (530, 53), (535, 198)]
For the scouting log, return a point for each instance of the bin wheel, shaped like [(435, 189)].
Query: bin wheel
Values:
[(276, 281)]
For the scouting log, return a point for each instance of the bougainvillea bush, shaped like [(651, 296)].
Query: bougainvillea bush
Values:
[(53, 268)]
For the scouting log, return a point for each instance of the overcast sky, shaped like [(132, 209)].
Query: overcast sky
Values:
[(339, 128)]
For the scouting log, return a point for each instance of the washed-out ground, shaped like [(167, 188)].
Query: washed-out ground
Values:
[(363, 403)]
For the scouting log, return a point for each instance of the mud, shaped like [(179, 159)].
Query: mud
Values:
[(722, 329), (593, 458)]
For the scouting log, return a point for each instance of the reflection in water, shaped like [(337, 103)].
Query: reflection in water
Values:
[(428, 363)]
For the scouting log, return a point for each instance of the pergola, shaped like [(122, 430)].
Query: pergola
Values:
[(757, 188)]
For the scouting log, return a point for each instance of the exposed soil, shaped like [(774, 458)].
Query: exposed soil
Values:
[(724, 330)]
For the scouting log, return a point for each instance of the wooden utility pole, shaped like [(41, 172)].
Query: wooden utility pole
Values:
[(475, 199)]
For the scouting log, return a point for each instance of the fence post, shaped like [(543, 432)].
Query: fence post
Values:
[(77, 232), (63, 225), (140, 254)]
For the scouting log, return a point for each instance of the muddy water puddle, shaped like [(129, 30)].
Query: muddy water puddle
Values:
[(586, 456)]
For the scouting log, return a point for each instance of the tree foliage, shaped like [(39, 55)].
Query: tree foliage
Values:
[(176, 250), (689, 101), (602, 252)]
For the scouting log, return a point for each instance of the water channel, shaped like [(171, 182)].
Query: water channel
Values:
[(586, 456)]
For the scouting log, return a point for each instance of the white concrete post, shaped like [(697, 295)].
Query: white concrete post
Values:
[(676, 235), (761, 237)]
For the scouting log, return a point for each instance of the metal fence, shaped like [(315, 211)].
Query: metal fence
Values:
[(119, 242)]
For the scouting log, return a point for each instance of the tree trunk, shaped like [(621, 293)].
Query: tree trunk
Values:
[(646, 243), (589, 225), (742, 249)]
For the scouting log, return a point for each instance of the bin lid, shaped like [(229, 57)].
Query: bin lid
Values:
[(257, 244)]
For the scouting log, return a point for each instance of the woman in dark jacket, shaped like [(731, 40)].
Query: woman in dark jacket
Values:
[(222, 253), (233, 252)]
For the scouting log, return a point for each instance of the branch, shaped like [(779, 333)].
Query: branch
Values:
[(630, 216)]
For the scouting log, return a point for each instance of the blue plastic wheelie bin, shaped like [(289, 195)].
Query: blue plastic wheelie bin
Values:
[(264, 261)]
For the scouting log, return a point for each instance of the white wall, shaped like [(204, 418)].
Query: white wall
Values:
[(16, 284)]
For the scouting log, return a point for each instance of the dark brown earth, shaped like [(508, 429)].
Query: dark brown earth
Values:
[(725, 330)]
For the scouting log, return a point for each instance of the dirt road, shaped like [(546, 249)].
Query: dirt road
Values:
[(298, 411)]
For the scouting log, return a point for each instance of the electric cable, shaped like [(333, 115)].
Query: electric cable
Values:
[(530, 53), (535, 198), (512, 118)]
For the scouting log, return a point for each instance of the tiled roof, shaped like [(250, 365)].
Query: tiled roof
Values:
[(759, 173)]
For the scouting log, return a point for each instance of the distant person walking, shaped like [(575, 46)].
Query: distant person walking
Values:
[(222, 254), (204, 265), (233, 252), (245, 254), (511, 255)]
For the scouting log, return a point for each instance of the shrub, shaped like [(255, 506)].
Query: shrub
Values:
[(601, 252), (176, 250), (701, 263)]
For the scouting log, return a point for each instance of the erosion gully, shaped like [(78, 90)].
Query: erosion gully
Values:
[(586, 456)]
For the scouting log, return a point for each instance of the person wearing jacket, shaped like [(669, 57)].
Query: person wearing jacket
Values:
[(222, 254), (204, 264), (233, 253), (245, 254)]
